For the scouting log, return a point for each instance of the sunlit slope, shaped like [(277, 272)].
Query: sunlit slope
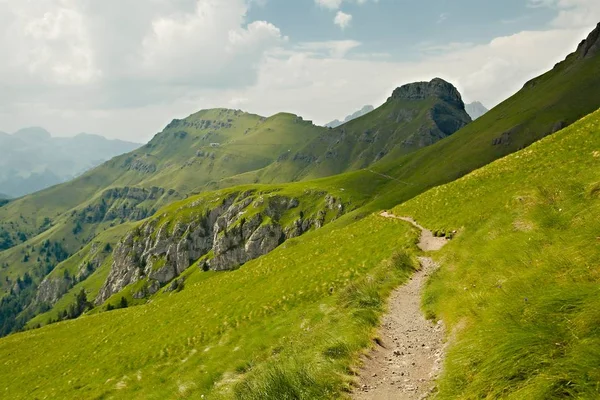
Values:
[(289, 323), (519, 284), (544, 105)]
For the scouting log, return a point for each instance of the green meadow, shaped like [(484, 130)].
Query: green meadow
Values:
[(518, 285)]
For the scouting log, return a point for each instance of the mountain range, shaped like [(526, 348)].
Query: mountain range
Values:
[(32, 160), (134, 251), (363, 111)]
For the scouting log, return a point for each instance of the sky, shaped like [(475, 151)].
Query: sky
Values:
[(125, 68)]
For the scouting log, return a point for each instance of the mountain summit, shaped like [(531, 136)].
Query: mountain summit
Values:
[(435, 88)]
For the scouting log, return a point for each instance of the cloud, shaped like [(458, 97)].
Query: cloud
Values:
[(342, 19), (336, 4), (126, 71), (45, 43), (571, 13), (333, 48), (137, 52), (320, 87), (329, 4)]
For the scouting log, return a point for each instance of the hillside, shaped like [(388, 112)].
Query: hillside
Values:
[(293, 324), (188, 156), (390, 181), (130, 262), (543, 106), (414, 116), (31, 159), (519, 284), (304, 311)]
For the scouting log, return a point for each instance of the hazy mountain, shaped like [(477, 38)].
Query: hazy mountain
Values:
[(335, 123), (31, 159), (475, 110)]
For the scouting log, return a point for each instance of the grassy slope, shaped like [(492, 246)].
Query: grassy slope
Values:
[(358, 143), (519, 285), (293, 323), (91, 284), (251, 142), (564, 94), (311, 196), (561, 95)]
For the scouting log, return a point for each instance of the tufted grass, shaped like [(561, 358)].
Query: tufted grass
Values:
[(520, 283), (290, 323)]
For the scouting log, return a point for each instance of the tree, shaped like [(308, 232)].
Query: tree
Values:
[(123, 302)]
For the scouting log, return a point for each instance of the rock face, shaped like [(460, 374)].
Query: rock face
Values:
[(51, 290), (591, 45), (54, 286), (242, 227), (435, 88)]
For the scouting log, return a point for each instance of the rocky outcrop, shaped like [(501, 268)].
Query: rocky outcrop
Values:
[(51, 289), (242, 227), (55, 285), (423, 90), (591, 45)]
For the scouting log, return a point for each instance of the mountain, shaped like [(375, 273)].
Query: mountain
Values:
[(221, 148), (208, 150), (309, 265), (282, 309), (363, 111), (414, 116), (406, 146), (31, 159), (475, 110)]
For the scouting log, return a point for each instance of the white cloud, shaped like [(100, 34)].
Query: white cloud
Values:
[(330, 4), (342, 19), (336, 4), (333, 48), (125, 68), (45, 43), (571, 13), (320, 88)]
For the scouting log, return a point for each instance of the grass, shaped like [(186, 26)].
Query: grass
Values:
[(519, 283), (291, 323), (247, 143)]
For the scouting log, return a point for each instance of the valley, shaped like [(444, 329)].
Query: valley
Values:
[(411, 251)]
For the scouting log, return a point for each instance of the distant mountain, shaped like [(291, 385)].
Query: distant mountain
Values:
[(335, 123), (31, 159), (475, 110)]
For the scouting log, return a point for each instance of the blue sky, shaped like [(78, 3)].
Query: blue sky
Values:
[(399, 27), (125, 68)]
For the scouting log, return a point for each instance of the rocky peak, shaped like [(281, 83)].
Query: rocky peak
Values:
[(435, 88), (591, 45)]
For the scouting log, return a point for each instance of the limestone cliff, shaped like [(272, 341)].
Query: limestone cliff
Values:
[(221, 235)]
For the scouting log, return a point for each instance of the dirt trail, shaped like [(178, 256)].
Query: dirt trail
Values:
[(409, 358)]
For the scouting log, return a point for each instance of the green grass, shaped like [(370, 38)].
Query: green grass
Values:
[(290, 323), (519, 284)]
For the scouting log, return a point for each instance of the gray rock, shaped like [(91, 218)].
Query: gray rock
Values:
[(233, 231)]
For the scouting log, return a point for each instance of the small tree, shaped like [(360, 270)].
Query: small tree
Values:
[(123, 302)]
